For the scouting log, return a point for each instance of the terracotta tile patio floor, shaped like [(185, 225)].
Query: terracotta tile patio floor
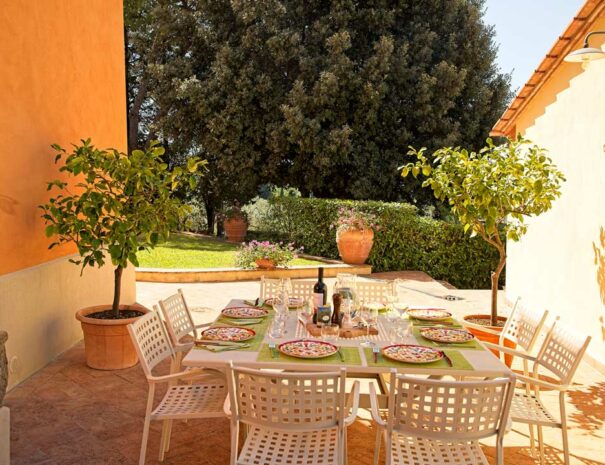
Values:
[(68, 414)]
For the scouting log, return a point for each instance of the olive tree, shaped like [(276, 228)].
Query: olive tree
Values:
[(492, 191), (117, 205)]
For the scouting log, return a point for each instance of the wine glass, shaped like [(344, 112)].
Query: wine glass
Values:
[(369, 317), (305, 312), (402, 331), (276, 330), (401, 308), (279, 307)]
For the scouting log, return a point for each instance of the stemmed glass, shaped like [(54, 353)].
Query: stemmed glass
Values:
[(280, 307), (369, 317)]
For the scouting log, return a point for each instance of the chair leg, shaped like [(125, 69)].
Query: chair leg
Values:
[(234, 442), (163, 440), (377, 445), (146, 426), (144, 442), (168, 436), (344, 458), (565, 445), (499, 451), (541, 445), (532, 441), (564, 427)]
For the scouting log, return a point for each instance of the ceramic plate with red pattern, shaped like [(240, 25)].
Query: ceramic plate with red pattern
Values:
[(293, 302), (447, 335), (412, 353), (244, 312), (429, 314), (227, 333), (307, 348)]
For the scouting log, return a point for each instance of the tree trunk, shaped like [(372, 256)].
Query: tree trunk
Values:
[(117, 287), (495, 281), (134, 116), (210, 218)]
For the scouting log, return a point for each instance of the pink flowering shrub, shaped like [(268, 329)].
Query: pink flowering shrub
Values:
[(281, 254)]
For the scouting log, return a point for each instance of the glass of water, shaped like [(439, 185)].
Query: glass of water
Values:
[(277, 328)]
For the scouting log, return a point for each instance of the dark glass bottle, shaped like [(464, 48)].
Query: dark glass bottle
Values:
[(320, 290)]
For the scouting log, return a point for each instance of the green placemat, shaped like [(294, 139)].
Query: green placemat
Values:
[(351, 354), (260, 329), (451, 322), (458, 360), (473, 344)]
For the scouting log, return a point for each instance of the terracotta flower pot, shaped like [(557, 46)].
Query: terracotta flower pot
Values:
[(235, 228), (265, 264), (3, 366), (354, 245), (106, 342), (493, 338)]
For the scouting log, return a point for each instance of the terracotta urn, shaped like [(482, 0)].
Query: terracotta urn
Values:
[(3, 366), (235, 228), (265, 264), (493, 338), (354, 245), (107, 343)]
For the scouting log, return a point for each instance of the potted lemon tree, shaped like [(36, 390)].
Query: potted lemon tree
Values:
[(116, 205), (491, 192)]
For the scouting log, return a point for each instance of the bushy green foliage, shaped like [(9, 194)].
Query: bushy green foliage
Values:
[(118, 204), (324, 96), (491, 191), (404, 241)]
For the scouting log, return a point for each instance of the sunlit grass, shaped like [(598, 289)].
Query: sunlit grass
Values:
[(183, 251)]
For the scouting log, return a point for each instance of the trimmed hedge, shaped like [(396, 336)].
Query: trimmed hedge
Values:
[(405, 240)]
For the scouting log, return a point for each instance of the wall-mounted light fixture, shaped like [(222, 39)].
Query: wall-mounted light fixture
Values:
[(586, 54)]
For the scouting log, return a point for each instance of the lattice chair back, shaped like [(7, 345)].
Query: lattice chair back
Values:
[(150, 341), (374, 291), (178, 317), (302, 289), (288, 401), (523, 327), (449, 410), (270, 287), (562, 352)]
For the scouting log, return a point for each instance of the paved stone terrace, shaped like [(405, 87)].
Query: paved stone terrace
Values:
[(68, 414)]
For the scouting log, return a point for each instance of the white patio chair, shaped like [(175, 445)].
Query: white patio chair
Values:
[(374, 291), (291, 418), (438, 422), (179, 320), (559, 356), (302, 289), (523, 328), (270, 287), (204, 399)]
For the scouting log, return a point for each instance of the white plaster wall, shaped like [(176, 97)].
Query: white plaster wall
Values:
[(38, 306), (560, 264)]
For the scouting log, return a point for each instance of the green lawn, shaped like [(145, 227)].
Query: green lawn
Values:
[(182, 251)]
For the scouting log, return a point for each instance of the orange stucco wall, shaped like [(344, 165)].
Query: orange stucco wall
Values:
[(61, 80)]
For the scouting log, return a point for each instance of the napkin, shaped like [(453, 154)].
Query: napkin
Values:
[(212, 348), (243, 322)]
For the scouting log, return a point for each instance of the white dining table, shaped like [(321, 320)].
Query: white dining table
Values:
[(483, 362)]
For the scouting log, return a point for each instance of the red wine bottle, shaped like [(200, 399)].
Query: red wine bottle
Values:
[(320, 290)]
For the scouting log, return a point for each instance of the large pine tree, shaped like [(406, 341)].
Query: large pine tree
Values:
[(322, 95)]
